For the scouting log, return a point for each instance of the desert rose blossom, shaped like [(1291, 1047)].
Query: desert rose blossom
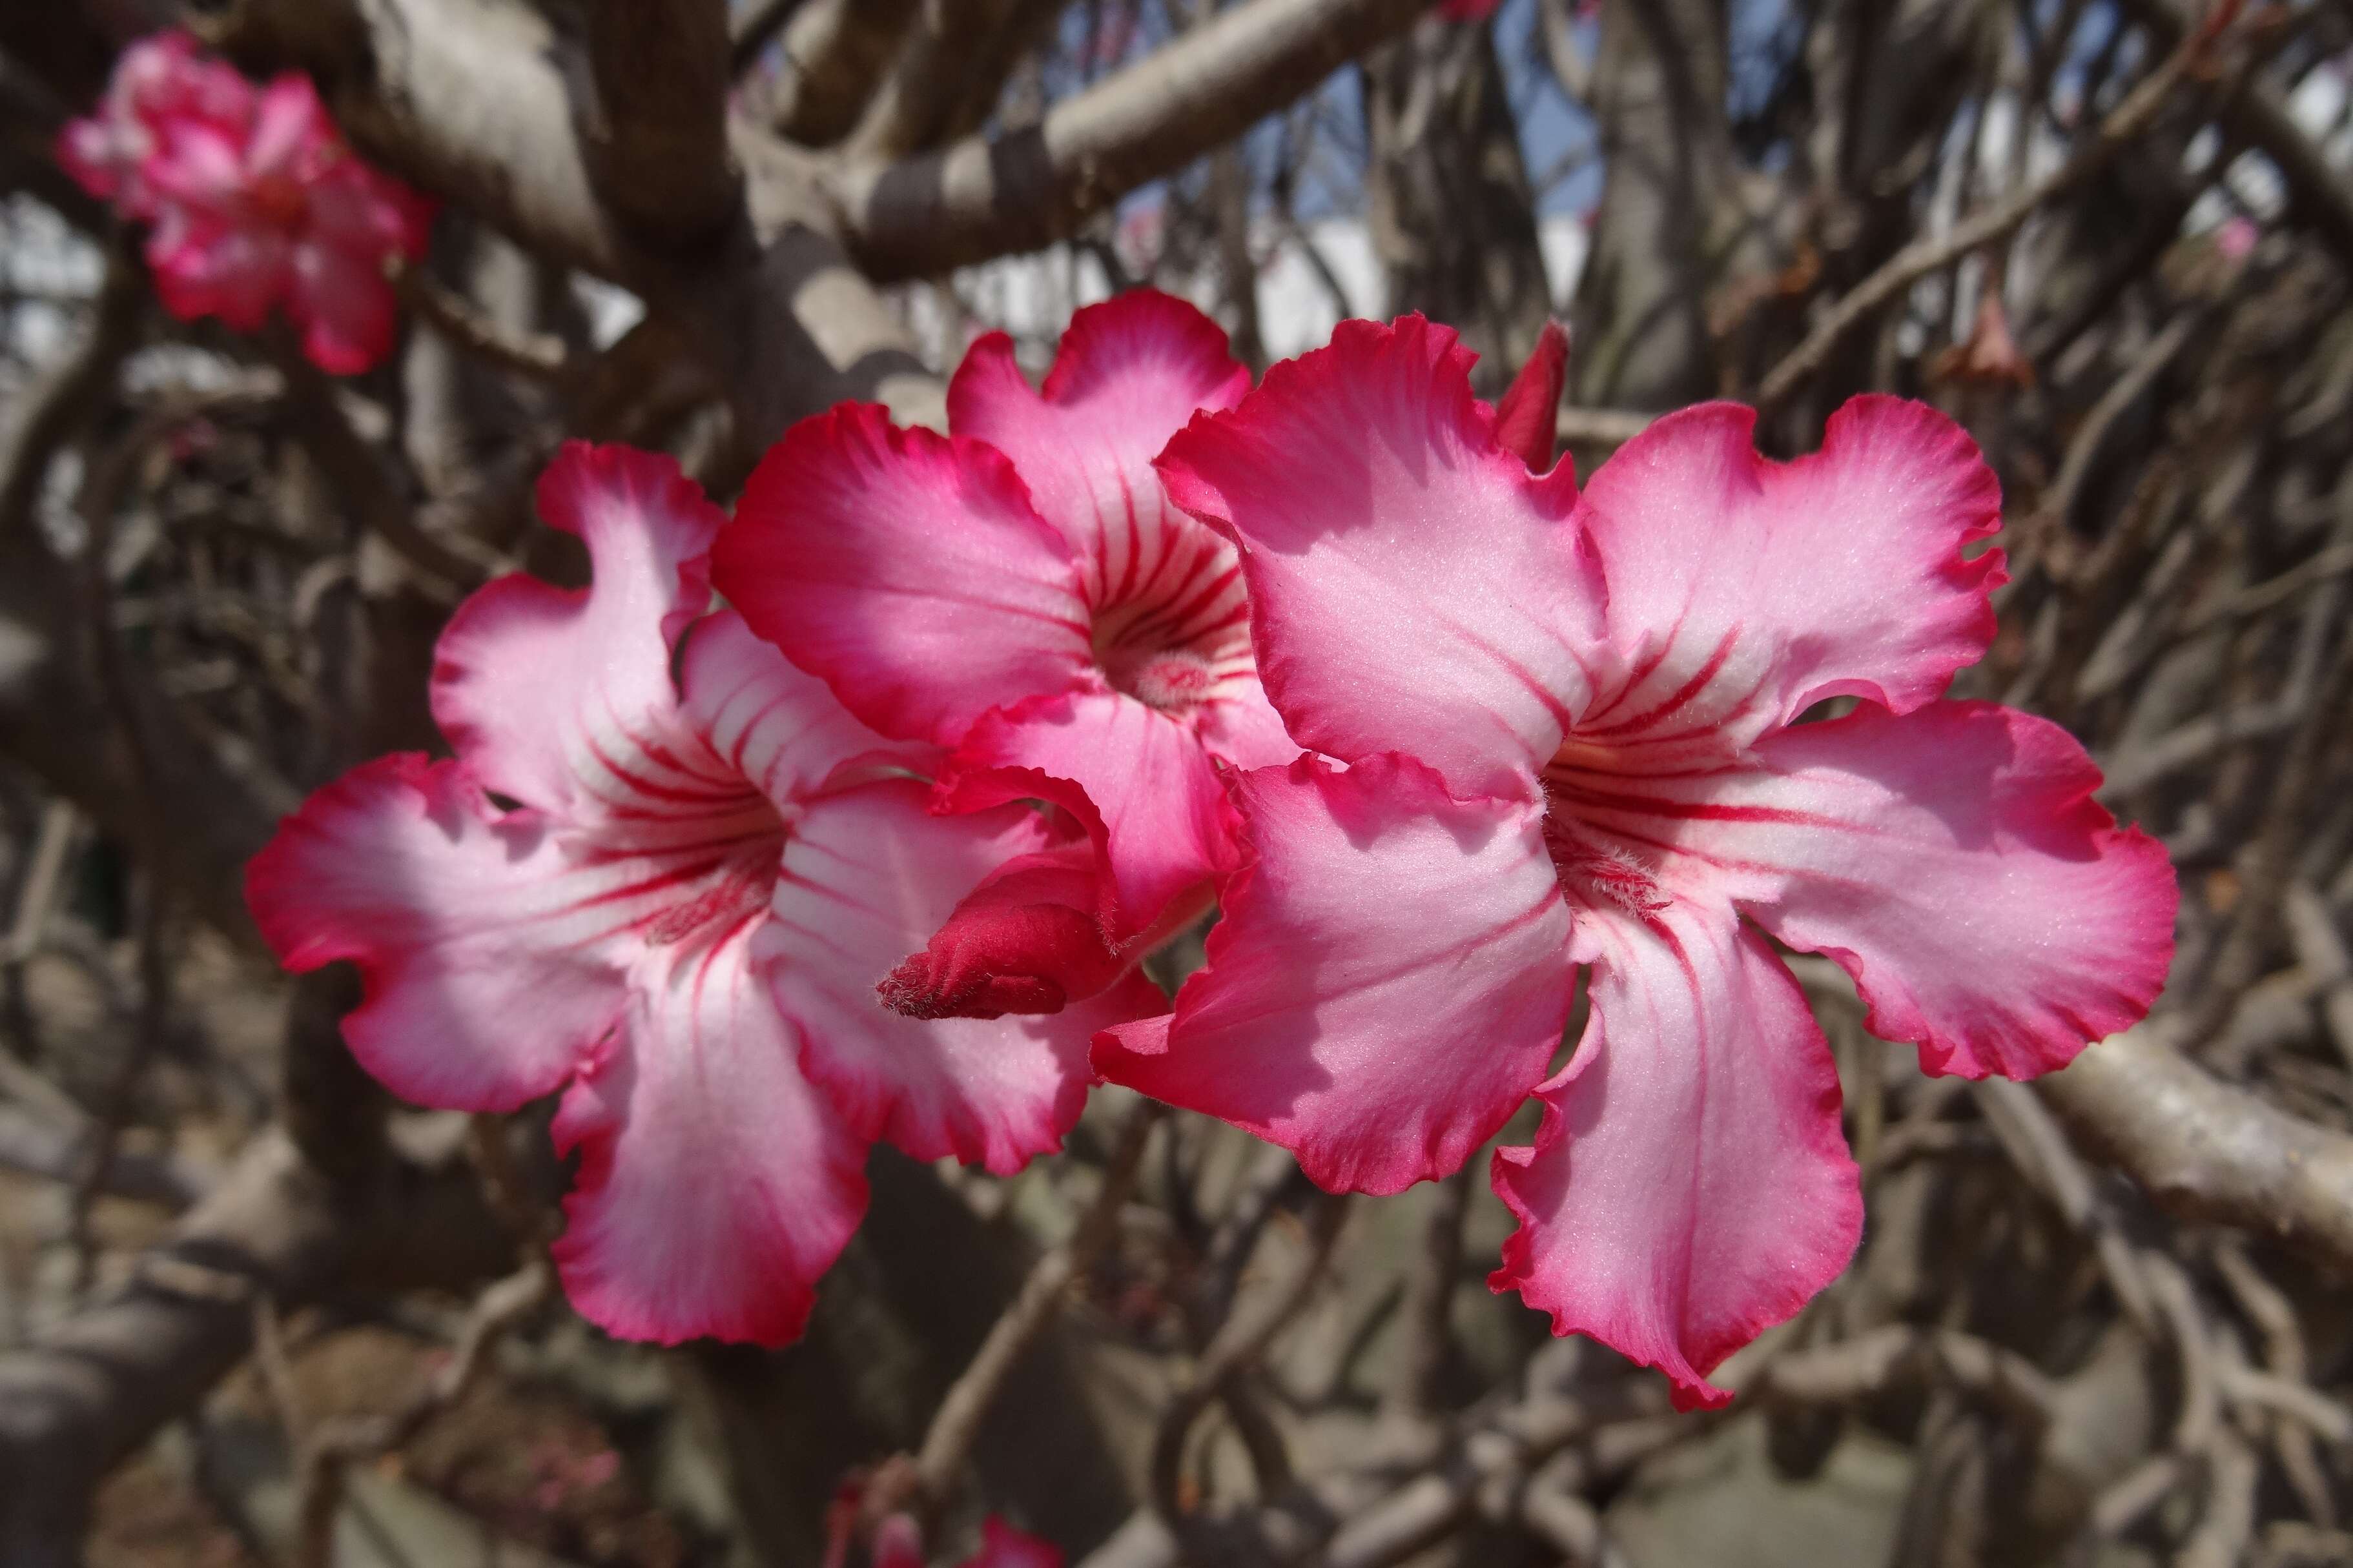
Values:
[(1020, 591), (899, 1544), (670, 898), (1565, 733), (158, 80), (254, 201)]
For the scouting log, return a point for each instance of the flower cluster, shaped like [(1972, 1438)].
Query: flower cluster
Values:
[(253, 202), (873, 853)]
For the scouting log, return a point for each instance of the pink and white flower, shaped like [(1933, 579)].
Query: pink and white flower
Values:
[(1020, 591), (670, 899), (1002, 1545), (1563, 733), (159, 80), (254, 201)]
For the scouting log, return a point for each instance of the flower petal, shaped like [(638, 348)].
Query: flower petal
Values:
[(200, 164), (492, 964), (1742, 591), (907, 569), (1127, 375), (562, 698), (291, 129), (1690, 1185), (1527, 421), (1162, 808), (205, 268), (1413, 587), (1952, 859), (1003, 1546), (1239, 726), (1029, 939), (869, 874), (1388, 984), (780, 727), (715, 1183), (346, 307)]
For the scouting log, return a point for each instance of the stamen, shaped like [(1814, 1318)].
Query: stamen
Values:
[(1603, 872)]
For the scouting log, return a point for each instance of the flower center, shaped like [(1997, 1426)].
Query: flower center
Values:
[(738, 890), (1149, 651), (1593, 869), (717, 867), (278, 199), (1173, 679)]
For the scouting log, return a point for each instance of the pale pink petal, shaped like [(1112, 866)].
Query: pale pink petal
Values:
[(346, 307), (493, 963), (200, 164), (96, 153), (291, 130), (1413, 587), (1951, 859), (1239, 726), (356, 208), (1389, 983), (868, 875), (562, 698), (777, 725), (907, 569), (1690, 1185), (1127, 375), (1742, 591), (1163, 810), (1003, 1546), (716, 1183)]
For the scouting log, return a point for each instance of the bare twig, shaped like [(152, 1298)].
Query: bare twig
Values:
[(1238, 1346), (326, 1453), (72, 390), (957, 1422), (1921, 257), (540, 356)]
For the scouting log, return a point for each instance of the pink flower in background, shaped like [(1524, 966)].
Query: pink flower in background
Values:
[(1565, 736), (670, 899), (256, 202), (159, 80), (1020, 591), (1003, 1546)]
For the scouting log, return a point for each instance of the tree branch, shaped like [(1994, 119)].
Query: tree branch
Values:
[(2206, 1150), (994, 196), (1921, 257), (836, 51), (657, 139)]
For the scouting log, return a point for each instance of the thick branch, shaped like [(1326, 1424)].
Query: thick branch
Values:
[(659, 138), (1017, 191), (84, 1397), (950, 76), (835, 53), (2207, 1151), (78, 1400)]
